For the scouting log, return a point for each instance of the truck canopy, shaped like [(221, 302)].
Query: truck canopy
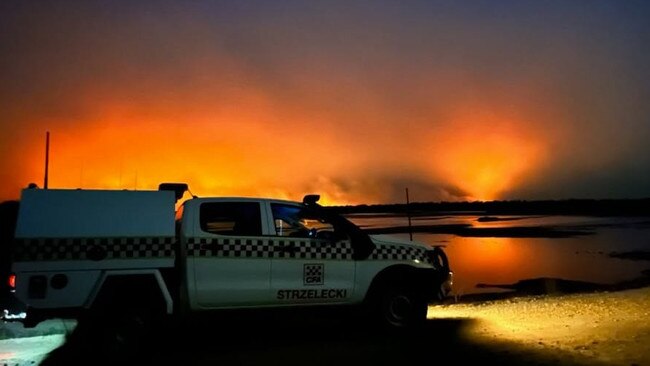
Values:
[(60, 213)]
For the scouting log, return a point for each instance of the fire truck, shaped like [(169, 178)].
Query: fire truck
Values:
[(127, 252)]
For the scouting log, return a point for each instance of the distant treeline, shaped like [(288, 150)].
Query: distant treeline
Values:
[(589, 207)]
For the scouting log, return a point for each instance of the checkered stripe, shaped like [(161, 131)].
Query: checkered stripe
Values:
[(239, 248), (269, 248), (399, 253), (83, 248), (316, 249)]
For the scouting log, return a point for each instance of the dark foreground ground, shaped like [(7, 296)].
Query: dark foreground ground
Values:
[(543, 321), (539, 322), (326, 344), (304, 339)]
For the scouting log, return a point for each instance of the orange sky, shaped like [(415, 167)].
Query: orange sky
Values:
[(352, 102), (231, 153)]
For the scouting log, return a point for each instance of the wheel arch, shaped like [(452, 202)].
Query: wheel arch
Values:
[(148, 284), (397, 273)]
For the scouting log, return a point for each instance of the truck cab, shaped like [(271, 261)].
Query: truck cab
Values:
[(249, 252)]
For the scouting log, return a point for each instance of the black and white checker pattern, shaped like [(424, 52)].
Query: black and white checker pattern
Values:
[(238, 248), (269, 248), (399, 253), (81, 248), (163, 247), (314, 270), (313, 274), (316, 249)]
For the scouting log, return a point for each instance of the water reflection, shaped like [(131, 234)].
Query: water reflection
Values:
[(507, 260)]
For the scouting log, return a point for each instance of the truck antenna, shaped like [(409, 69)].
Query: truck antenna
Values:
[(47, 158), (408, 214)]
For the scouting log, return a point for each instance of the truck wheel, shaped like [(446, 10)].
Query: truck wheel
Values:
[(129, 329), (126, 313), (107, 336), (401, 307)]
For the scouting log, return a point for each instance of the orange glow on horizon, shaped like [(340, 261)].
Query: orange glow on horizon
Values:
[(222, 158), (235, 156), (485, 157), (250, 153)]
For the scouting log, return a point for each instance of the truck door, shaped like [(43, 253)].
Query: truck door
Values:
[(231, 257), (311, 265)]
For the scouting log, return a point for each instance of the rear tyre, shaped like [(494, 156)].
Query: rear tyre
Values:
[(128, 331), (126, 315), (106, 338)]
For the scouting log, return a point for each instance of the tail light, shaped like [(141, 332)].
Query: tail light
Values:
[(12, 282)]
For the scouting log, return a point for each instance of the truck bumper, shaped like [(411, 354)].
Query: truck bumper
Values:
[(446, 286), (12, 309), (439, 283)]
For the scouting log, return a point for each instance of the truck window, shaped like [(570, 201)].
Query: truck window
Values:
[(297, 221), (231, 218)]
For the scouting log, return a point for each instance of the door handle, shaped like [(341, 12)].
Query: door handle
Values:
[(212, 246), (286, 248)]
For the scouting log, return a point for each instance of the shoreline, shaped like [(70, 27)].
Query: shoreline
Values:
[(568, 207), (547, 286)]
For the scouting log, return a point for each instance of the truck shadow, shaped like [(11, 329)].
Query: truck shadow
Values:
[(268, 339)]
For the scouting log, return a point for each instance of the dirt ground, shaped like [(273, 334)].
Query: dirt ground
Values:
[(610, 328)]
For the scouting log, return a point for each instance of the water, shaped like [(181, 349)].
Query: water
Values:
[(506, 260)]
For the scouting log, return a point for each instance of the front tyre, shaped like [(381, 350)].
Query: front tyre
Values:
[(400, 308)]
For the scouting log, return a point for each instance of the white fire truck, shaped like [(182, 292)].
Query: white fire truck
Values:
[(78, 250)]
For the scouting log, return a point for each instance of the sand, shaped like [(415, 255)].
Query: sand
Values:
[(612, 328)]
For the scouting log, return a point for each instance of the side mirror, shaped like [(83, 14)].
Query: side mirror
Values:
[(310, 199), (340, 234), (178, 189), (329, 236)]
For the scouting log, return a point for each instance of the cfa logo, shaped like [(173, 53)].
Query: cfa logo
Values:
[(314, 274)]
